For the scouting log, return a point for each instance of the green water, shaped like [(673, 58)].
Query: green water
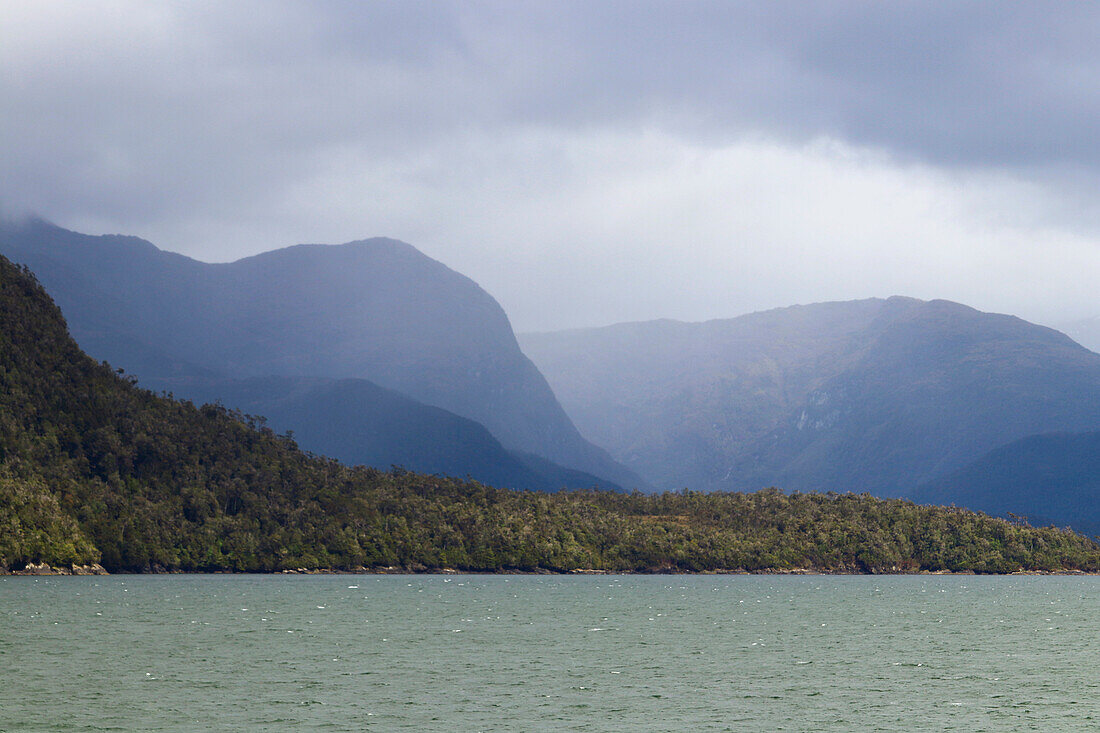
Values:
[(503, 653)]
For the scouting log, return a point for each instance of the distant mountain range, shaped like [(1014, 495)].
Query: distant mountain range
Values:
[(1049, 479), (875, 395), (374, 310), (98, 474), (371, 352)]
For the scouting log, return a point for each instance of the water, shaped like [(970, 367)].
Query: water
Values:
[(504, 653)]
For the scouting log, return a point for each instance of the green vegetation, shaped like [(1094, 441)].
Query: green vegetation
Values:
[(93, 468)]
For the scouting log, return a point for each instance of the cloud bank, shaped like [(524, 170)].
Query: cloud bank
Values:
[(586, 163)]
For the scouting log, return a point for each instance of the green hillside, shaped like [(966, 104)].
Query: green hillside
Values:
[(92, 468), (359, 423)]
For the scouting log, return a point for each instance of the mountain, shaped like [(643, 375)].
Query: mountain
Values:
[(96, 469), (1085, 331), (873, 395), (1050, 479), (376, 309), (359, 423)]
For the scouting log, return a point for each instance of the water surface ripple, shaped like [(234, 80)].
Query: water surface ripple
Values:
[(503, 653)]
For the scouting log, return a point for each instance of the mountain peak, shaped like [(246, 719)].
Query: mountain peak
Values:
[(375, 309), (371, 246), (897, 391)]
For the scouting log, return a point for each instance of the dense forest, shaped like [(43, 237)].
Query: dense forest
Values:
[(95, 469)]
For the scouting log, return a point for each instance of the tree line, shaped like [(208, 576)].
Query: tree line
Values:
[(95, 469)]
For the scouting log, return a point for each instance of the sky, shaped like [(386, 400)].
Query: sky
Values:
[(586, 163)]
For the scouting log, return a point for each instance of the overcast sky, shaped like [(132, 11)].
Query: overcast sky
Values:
[(586, 163)]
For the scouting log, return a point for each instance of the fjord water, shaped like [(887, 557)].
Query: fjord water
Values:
[(599, 653)]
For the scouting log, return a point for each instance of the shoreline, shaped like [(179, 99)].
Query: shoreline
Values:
[(47, 571)]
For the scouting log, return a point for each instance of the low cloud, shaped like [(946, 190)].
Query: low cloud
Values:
[(585, 163)]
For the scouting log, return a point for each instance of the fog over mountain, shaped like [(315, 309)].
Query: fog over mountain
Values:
[(376, 309), (661, 166), (359, 423), (873, 395), (587, 163)]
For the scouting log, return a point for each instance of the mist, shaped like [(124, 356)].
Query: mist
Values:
[(585, 165)]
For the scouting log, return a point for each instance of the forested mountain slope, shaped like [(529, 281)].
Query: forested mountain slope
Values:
[(376, 309), (359, 423), (93, 468)]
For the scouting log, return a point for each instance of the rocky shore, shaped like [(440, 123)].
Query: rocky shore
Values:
[(44, 569)]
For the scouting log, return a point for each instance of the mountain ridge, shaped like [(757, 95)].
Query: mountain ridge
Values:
[(360, 423), (877, 394), (94, 469), (376, 309), (1050, 478)]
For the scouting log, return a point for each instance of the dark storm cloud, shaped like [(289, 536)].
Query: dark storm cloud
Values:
[(212, 100), (955, 83), (511, 135)]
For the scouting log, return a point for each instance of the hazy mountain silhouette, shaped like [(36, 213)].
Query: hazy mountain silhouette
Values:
[(1085, 331), (1049, 479), (94, 469), (358, 422), (873, 395), (376, 309)]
